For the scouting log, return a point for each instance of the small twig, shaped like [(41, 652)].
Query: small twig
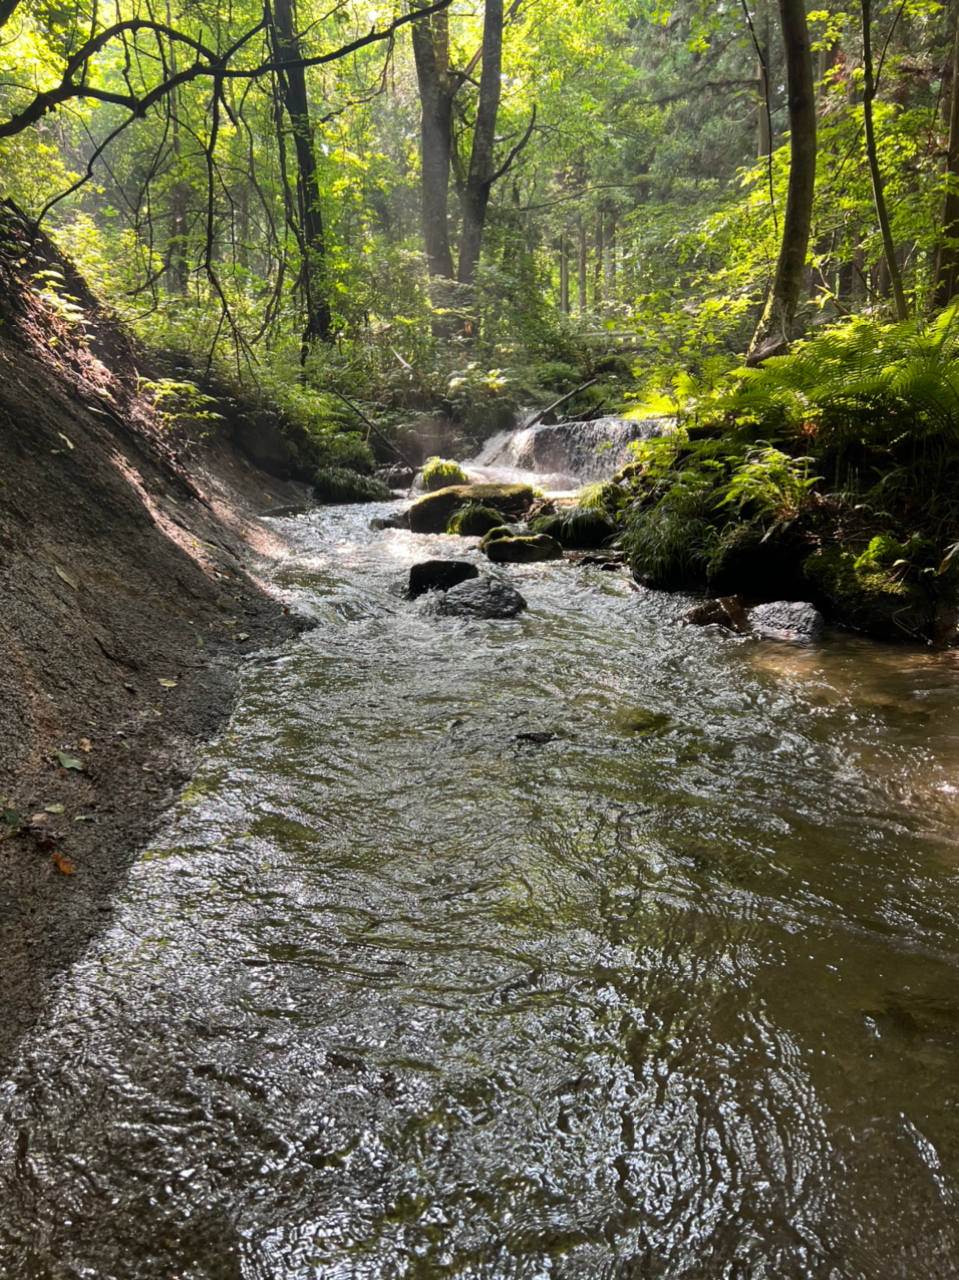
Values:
[(562, 400), (389, 443)]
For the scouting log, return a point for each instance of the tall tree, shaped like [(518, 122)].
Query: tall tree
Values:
[(479, 180), (947, 262), (775, 327), (872, 158), (292, 80)]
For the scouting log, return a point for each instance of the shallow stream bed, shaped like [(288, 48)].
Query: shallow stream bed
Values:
[(581, 945)]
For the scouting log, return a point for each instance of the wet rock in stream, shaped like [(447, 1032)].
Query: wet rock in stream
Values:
[(439, 575), (791, 620), (481, 598)]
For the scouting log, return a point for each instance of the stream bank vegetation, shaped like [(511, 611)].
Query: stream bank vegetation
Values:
[(368, 236)]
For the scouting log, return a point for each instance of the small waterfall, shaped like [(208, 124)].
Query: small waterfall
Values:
[(566, 455)]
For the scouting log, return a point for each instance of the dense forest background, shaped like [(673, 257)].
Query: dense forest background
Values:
[(437, 209), (392, 226)]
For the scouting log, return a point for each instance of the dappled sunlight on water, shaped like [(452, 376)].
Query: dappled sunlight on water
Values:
[(584, 944)]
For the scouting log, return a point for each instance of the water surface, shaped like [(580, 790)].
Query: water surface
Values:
[(581, 945)]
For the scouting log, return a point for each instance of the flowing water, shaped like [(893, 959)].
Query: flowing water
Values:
[(560, 457), (583, 945)]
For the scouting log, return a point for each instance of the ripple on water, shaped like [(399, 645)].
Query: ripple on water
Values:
[(578, 945)]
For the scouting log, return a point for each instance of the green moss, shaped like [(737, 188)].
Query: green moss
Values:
[(497, 534), (578, 528), (858, 593), (473, 521), (882, 551), (430, 514), (337, 484), (439, 473)]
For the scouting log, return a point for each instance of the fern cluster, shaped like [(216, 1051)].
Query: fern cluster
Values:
[(877, 381)]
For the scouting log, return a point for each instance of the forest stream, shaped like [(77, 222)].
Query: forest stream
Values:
[(585, 944)]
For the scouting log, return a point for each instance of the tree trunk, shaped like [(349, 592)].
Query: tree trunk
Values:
[(764, 136), (293, 82), (563, 276), (431, 54), (947, 262), (581, 228), (178, 266), (598, 270), (776, 326), (480, 177), (869, 93)]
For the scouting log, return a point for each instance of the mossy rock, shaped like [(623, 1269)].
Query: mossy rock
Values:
[(473, 521), (856, 594), (497, 533), (337, 484), (578, 529), (431, 514), (753, 563), (440, 473), (522, 549)]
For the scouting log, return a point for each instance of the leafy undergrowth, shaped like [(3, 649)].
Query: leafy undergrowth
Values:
[(850, 441)]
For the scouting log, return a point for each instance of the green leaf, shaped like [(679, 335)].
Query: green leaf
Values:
[(69, 762), (11, 817)]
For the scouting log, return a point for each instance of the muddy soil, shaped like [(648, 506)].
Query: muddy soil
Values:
[(133, 584)]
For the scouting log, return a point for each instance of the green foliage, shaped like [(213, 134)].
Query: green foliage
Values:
[(337, 485), (668, 540), (769, 483), (342, 449), (179, 404), (439, 473)]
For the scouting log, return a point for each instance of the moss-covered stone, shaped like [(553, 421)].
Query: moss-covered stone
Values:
[(855, 593), (440, 473), (430, 514), (525, 549), (496, 534), (473, 521), (578, 529)]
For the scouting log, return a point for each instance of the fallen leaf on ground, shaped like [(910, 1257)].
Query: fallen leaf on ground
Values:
[(167, 684), (69, 762), (54, 808), (68, 443), (63, 864), (241, 635), (39, 817), (86, 744), (11, 816), (62, 573), (83, 817)]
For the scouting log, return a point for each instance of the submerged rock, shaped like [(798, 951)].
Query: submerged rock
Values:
[(439, 575), (521, 549), (786, 620), (482, 598), (725, 611), (431, 514), (399, 521)]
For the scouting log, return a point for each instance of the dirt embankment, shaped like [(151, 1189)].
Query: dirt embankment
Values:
[(131, 585)]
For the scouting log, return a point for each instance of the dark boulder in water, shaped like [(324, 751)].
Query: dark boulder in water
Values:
[(439, 575), (482, 598)]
